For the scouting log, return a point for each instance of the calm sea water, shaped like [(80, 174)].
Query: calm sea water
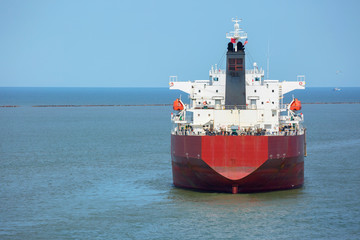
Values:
[(105, 173)]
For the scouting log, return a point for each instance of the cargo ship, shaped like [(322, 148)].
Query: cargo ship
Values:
[(236, 134)]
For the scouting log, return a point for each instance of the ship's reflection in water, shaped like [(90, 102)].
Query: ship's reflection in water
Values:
[(234, 216), (242, 202)]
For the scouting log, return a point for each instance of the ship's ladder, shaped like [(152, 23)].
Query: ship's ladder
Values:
[(280, 92)]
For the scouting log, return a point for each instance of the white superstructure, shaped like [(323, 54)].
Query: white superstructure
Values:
[(264, 112)]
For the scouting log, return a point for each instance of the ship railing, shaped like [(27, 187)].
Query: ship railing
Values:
[(236, 107), (223, 107), (220, 71), (257, 132), (187, 133), (291, 119), (175, 117), (254, 71), (283, 106), (290, 133), (180, 118), (173, 79)]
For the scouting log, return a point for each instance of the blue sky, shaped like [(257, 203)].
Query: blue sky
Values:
[(141, 43)]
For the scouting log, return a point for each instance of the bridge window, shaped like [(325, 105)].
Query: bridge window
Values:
[(235, 64)]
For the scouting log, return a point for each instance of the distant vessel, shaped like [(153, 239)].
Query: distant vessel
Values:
[(337, 89), (236, 135)]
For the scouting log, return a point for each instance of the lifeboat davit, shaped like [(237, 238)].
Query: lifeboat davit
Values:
[(178, 105), (295, 105)]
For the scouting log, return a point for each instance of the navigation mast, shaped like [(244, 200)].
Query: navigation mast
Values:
[(238, 32)]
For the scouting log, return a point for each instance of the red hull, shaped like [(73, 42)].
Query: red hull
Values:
[(238, 163)]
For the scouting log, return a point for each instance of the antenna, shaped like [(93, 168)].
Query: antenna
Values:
[(238, 32), (268, 67)]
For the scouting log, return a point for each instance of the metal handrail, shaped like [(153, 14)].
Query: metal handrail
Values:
[(239, 133)]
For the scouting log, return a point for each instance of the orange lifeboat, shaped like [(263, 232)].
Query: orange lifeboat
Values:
[(295, 105), (178, 105)]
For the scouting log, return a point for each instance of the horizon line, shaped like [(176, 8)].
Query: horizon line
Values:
[(143, 87)]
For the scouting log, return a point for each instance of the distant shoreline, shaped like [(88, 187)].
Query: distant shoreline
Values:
[(141, 105)]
